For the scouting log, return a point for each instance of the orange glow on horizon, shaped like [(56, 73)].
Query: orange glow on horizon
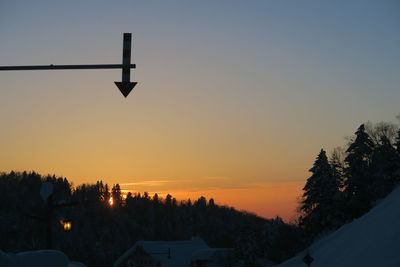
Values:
[(246, 135), (266, 200)]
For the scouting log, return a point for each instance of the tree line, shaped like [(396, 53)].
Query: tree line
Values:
[(102, 232), (346, 185), (342, 187)]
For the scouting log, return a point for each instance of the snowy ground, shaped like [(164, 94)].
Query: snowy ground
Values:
[(372, 240), (40, 258)]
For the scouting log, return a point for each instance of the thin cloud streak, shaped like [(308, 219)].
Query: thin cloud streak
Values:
[(192, 185), (267, 199), (147, 183), (201, 184)]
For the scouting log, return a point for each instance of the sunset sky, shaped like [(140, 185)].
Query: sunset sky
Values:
[(234, 98)]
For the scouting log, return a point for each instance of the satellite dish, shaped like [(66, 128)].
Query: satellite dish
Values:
[(46, 190)]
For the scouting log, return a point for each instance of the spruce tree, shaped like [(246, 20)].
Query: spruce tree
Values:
[(116, 195), (358, 183), (321, 198), (397, 144), (397, 158), (338, 166), (384, 165)]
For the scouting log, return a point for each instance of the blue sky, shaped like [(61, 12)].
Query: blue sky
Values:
[(245, 90)]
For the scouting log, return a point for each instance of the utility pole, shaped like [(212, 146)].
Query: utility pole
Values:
[(125, 86), (49, 216), (46, 191)]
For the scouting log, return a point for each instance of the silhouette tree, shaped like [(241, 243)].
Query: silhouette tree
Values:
[(116, 195), (101, 234), (168, 200), (211, 202), (358, 182), (155, 198), (321, 198), (384, 164), (338, 166), (397, 142), (201, 202), (381, 130)]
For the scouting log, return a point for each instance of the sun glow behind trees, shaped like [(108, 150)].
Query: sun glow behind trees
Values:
[(191, 130)]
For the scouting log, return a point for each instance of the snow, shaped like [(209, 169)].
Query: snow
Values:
[(208, 253), (37, 258), (76, 264), (180, 251), (371, 240)]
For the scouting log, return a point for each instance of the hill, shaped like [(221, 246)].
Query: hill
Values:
[(371, 240)]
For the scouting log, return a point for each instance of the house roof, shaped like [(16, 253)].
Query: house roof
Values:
[(37, 258), (180, 251), (208, 253)]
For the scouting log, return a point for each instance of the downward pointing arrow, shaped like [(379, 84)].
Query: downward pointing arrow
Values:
[(125, 87)]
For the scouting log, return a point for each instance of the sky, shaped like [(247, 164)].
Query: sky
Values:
[(234, 98)]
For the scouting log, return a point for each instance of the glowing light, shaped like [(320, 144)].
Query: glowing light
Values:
[(67, 225), (111, 201)]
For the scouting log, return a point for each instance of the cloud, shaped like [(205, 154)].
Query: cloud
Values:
[(216, 178), (200, 184), (147, 183)]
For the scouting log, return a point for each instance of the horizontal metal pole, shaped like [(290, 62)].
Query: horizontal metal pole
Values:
[(67, 67)]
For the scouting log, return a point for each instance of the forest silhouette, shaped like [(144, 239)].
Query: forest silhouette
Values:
[(342, 187)]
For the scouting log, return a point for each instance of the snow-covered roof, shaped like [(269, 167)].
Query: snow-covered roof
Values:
[(38, 258), (180, 251), (372, 240), (208, 253), (76, 264)]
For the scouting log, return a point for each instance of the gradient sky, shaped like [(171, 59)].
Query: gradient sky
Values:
[(235, 98)]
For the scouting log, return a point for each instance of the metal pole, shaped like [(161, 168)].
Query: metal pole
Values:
[(49, 216), (68, 67), (125, 86), (126, 57)]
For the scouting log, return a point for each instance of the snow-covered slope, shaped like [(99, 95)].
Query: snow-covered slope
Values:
[(38, 258), (372, 240)]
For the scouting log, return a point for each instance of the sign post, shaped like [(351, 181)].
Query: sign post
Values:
[(46, 191), (125, 86), (308, 259)]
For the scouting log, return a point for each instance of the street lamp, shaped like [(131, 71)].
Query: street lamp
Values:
[(67, 225), (46, 192)]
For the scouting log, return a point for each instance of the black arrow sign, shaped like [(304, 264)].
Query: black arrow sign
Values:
[(126, 85)]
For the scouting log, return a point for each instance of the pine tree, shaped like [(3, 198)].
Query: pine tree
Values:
[(211, 202), (168, 200), (338, 166), (155, 198), (384, 165), (201, 202), (397, 144), (116, 195), (321, 198), (358, 182)]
